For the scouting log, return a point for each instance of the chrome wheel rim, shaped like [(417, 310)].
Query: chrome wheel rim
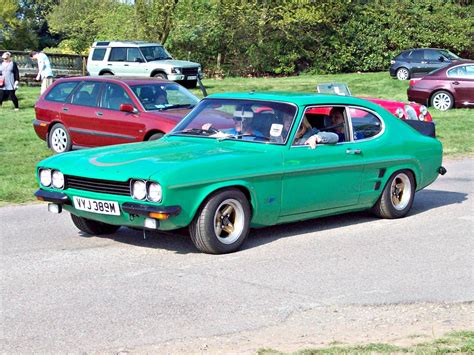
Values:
[(441, 101), (229, 221), (402, 74), (59, 140), (400, 191)]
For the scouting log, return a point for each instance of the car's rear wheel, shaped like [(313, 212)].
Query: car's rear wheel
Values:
[(442, 100), (222, 223), (160, 76), (156, 136), (397, 197), (107, 73), (59, 139), (403, 73), (93, 227)]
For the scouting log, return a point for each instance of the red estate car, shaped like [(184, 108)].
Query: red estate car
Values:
[(90, 112), (451, 86), (402, 110)]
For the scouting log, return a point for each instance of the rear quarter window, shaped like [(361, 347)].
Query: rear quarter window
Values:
[(98, 54), (61, 92), (364, 124)]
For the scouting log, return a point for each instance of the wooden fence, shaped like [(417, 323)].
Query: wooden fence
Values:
[(62, 64)]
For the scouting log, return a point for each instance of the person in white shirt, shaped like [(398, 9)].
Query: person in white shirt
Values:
[(45, 73)]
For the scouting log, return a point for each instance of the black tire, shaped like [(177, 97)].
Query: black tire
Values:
[(107, 73), (93, 227), (397, 196), (59, 140), (442, 100), (160, 76), (232, 209), (156, 136), (403, 73)]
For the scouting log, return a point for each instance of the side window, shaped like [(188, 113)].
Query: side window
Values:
[(114, 95), (60, 92), (87, 94), (416, 56), (133, 54), (364, 124), (323, 119), (432, 55), (118, 54), (462, 71), (98, 54)]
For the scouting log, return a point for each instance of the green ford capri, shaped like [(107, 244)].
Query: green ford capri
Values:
[(247, 160)]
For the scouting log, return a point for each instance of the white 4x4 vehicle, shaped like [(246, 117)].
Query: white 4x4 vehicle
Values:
[(138, 58)]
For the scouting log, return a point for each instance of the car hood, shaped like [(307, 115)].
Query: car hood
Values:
[(174, 115), (171, 159), (174, 63)]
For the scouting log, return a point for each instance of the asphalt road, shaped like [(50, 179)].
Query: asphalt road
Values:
[(64, 291)]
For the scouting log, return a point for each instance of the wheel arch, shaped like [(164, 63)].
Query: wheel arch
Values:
[(157, 71), (50, 127), (150, 133), (106, 71)]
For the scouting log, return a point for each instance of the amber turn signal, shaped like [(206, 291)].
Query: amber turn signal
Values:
[(158, 215)]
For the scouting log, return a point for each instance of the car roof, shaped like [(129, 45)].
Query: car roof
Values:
[(123, 43), (296, 98), (129, 80)]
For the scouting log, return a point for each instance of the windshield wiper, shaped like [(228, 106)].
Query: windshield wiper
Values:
[(171, 106), (197, 131)]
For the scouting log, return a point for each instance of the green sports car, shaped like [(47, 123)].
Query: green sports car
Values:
[(244, 160)]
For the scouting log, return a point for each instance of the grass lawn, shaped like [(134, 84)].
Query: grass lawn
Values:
[(452, 343), (21, 149)]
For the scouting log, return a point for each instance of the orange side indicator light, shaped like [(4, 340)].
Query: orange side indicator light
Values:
[(158, 215)]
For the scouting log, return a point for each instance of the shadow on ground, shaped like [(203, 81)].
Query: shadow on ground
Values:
[(180, 242)]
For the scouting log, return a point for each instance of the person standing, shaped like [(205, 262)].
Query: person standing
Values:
[(45, 73), (11, 76)]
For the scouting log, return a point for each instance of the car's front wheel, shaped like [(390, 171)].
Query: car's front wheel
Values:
[(93, 227), (160, 76), (59, 139), (403, 74), (156, 136), (222, 223), (442, 100), (397, 197)]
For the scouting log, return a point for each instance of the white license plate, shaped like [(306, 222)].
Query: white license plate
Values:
[(194, 77), (96, 206)]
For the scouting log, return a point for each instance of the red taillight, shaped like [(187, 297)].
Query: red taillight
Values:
[(412, 82)]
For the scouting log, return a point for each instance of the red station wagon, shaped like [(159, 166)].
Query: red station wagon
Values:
[(91, 112)]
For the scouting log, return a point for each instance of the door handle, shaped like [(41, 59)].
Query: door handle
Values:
[(353, 151), (65, 109), (98, 113), (455, 82), (125, 65)]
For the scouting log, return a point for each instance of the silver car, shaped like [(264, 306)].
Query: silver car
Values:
[(140, 59)]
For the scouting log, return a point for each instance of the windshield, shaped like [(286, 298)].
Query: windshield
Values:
[(449, 55), (155, 53), (164, 96), (249, 120)]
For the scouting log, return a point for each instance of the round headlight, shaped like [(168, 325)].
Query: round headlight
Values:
[(45, 177), (58, 179), (411, 113), (399, 112), (423, 110), (154, 192), (139, 190)]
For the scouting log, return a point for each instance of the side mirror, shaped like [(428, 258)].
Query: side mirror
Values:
[(127, 108), (138, 60)]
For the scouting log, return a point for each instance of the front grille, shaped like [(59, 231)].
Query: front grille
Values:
[(190, 71), (96, 185)]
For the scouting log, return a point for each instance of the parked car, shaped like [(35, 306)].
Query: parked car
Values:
[(90, 112), (143, 59), (451, 86), (219, 182), (419, 61), (402, 110)]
